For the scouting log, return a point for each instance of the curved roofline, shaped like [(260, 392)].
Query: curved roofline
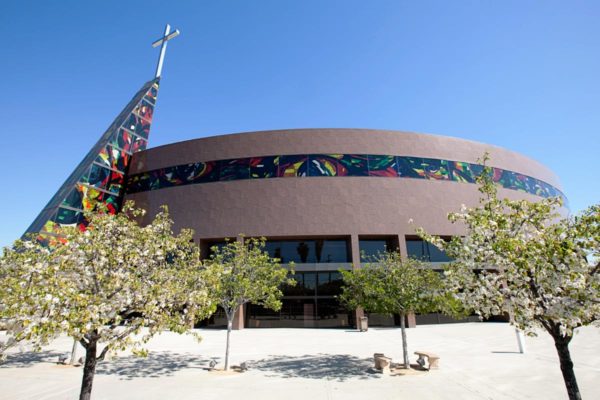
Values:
[(215, 140), (435, 135)]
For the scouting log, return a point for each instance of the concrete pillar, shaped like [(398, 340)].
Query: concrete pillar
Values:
[(358, 314), (411, 320), (238, 318), (355, 253), (402, 246)]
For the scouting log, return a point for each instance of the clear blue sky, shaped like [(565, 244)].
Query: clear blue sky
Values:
[(519, 74)]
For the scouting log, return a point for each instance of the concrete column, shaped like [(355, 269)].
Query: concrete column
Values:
[(355, 252), (411, 320), (238, 318), (402, 246)]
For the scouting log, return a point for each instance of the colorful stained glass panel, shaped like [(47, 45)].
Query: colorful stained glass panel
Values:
[(461, 172), (116, 182), (234, 169), (122, 139), (138, 183), (337, 165), (98, 176), (263, 167), (301, 165), (202, 172), (435, 169), (380, 165), (411, 167), (73, 199), (138, 144), (152, 94), (145, 110), (137, 125), (292, 166), (66, 217), (114, 158)]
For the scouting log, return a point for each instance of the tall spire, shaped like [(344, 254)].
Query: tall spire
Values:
[(101, 175), (163, 49)]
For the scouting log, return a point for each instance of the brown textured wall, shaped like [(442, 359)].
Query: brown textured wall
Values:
[(280, 207), (344, 141)]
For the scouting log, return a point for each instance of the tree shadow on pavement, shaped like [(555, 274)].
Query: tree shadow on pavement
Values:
[(29, 358), (321, 366), (156, 365)]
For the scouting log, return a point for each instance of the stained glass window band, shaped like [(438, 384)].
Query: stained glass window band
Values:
[(338, 165)]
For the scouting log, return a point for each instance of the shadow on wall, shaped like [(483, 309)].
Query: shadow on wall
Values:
[(321, 366), (29, 358), (156, 365)]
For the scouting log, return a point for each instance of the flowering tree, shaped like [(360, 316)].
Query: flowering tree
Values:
[(103, 285), (521, 258), (391, 285), (243, 272)]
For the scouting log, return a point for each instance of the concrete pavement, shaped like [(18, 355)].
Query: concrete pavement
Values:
[(478, 361)]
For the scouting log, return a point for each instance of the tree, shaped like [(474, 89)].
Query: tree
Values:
[(391, 284), (522, 258), (103, 285), (244, 272)]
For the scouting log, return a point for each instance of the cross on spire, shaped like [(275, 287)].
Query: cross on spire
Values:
[(163, 41)]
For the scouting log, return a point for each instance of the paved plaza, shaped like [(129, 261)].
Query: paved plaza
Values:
[(478, 361)]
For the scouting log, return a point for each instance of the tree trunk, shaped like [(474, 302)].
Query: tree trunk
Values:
[(566, 366), (229, 326), (89, 369), (404, 345)]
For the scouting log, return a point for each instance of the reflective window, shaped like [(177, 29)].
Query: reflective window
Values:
[(329, 309), (370, 249), (310, 283), (297, 289), (425, 251), (329, 283), (211, 245), (329, 251), (323, 283), (309, 251)]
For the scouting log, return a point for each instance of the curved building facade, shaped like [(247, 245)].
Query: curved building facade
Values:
[(322, 197)]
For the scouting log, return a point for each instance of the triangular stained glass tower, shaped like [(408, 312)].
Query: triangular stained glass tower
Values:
[(100, 177)]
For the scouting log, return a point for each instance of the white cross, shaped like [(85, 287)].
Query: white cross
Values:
[(163, 40)]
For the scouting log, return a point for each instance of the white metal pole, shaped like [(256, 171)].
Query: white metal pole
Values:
[(163, 50), (520, 340)]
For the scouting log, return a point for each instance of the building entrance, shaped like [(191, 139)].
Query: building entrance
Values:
[(311, 303)]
